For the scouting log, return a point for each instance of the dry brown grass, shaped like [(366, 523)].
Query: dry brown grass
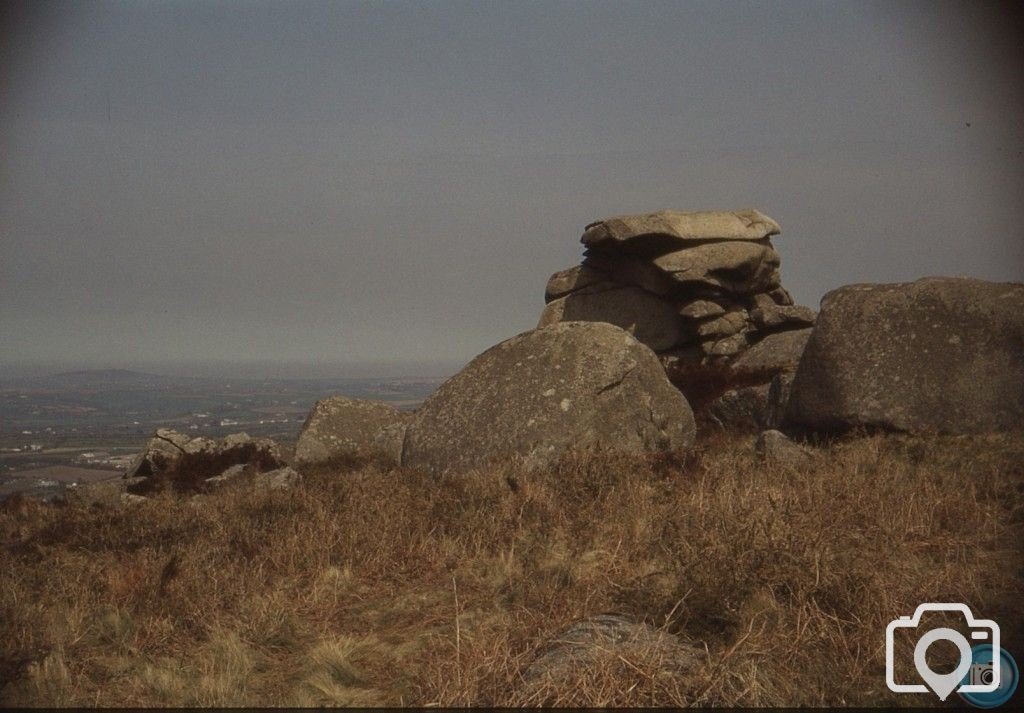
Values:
[(375, 586)]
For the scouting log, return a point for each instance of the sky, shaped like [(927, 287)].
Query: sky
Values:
[(385, 187)]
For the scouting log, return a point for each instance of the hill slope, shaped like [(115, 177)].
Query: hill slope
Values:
[(368, 587)]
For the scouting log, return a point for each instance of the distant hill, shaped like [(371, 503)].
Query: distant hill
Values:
[(103, 373), (90, 379)]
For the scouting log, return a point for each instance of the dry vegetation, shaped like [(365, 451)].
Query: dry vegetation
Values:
[(376, 586)]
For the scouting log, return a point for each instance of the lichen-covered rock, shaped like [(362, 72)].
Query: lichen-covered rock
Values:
[(778, 396), (736, 267), (676, 228), (937, 355), (777, 448), (280, 479), (725, 347), (770, 364), (723, 326), (743, 409), (575, 279), (161, 455), (776, 316), (652, 320), (775, 353), (571, 385), (689, 284), (629, 270), (339, 425), (701, 309), (277, 479), (233, 474), (186, 463)]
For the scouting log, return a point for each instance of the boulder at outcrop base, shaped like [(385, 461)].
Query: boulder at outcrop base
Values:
[(937, 355), (340, 425), (571, 385), (606, 641), (186, 463), (742, 409), (772, 362), (775, 447)]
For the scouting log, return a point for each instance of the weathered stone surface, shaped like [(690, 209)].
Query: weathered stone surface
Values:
[(775, 447), (776, 352), (780, 295), (759, 406), (626, 270), (243, 448), (727, 347), (701, 309), (937, 355), (280, 479), (188, 462), (161, 455), (572, 385), (777, 316), (725, 326), (606, 641), (200, 445), (718, 271), (744, 409), (277, 479), (778, 396), (178, 440), (681, 357), (738, 267), (581, 277), (232, 475), (653, 321), (678, 228), (340, 425)]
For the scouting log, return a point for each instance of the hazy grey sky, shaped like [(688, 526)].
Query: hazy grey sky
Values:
[(394, 182)]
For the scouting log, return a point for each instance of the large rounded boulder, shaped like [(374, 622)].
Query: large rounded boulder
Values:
[(941, 355), (571, 385)]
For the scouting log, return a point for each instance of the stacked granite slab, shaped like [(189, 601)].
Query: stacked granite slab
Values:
[(698, 288)]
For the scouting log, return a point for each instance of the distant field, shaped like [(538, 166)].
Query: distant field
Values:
[(67, 474), (49, 481)]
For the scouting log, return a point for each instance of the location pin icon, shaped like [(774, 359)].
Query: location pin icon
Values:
[(942, 684)]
